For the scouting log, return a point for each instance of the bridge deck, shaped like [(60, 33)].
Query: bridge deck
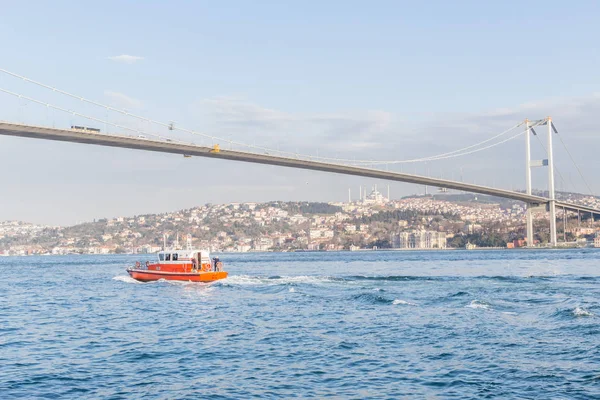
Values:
[(67, 135)]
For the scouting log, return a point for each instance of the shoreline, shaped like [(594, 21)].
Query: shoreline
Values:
[(325, 251)]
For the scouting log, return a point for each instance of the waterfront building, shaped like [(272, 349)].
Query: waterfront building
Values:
[(418, 239), (262, 244)]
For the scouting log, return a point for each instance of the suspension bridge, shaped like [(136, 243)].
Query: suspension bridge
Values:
[(164, 143)]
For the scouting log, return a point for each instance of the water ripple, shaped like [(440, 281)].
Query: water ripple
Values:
[(313, 325)]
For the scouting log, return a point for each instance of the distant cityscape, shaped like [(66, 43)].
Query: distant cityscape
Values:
[(372, 221)]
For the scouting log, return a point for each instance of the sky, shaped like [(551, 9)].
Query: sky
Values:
[(383, 80)]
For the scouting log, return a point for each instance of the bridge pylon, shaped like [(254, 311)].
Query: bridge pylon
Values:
[(529, 164), (551, 194), (528, 183)]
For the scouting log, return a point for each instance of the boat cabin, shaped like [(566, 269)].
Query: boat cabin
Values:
[(201, 256), (182, 261)]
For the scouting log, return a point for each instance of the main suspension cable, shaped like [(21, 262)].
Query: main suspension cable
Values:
[(573, 160), (455, 153)]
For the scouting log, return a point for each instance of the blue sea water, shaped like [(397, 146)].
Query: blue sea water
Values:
[(452, 324)]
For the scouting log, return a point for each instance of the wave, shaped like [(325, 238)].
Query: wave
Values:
[(370, 298), (478, 304), (502, 278), (403, 302), (582, 312), (570, 313), (399, 278)]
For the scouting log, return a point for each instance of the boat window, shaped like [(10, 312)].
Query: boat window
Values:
[(175, 256), (161, 257), (167, 257)]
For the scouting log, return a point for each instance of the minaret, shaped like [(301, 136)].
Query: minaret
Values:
[(349, 196), (388, 192)]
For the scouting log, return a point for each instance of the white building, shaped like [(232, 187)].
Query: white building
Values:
[(327, 233), (242, 248), (263, 244), (350, 228), (418, 240), (321, 234), (314, 233), (298, 219)]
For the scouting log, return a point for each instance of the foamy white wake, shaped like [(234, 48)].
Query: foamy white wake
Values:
[(281, 280), (582, 312), (126, 279), (184, 283), (403, 302), (478, 304)]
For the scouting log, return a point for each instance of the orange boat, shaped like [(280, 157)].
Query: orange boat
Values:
[(180, 265)]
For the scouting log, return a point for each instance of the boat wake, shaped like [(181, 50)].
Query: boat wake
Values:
[(242, 280), (127, 279)]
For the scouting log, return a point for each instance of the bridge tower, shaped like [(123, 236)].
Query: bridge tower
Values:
[(529, 164), (528, 183), (551, 195)]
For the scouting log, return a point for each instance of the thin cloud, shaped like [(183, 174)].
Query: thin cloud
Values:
[(380, 135), (235, 111), (121, 100), (126, 58), (356, 130)]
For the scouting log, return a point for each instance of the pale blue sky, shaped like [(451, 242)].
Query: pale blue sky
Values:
[(379, 79)]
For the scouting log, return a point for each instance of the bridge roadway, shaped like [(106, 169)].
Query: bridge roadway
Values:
[(137, 143)]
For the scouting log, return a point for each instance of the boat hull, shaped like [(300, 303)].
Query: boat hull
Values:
[(145, 275)]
